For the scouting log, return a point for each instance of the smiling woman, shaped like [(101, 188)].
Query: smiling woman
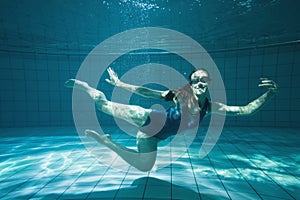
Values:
[(190, 105), (44, 152)]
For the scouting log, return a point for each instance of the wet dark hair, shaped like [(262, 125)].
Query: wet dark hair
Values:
[(184, 95), (198, 69)]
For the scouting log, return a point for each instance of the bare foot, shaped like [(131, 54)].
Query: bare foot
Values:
[(102, 139), (75, 83)]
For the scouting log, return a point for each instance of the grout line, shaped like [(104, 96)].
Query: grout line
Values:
[(260, 168), (239, 171), (76, 178), (271, 147), (188, 152), (266, 144), (98, 182), (211, 163), (144, 192)]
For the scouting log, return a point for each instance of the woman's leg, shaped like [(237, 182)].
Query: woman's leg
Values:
[(135, 115), (143, 159)]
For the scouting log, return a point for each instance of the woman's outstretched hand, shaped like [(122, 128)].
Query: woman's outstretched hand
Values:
[(113, 77), (269, 84)]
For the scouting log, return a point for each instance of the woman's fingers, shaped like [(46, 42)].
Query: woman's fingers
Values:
[(266, 85), (113, 77), (265, 82), (268, 81), (110, 71)]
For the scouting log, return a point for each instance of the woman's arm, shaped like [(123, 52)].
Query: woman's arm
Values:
[(143, 91), (250, 108)]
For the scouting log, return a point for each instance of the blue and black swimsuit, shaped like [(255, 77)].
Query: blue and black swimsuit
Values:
[(163, 124)]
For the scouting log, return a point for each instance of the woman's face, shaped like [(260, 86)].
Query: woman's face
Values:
[(199, 82)]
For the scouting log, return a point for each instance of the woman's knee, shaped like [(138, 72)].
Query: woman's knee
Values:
[(147, 167), (146, 161)]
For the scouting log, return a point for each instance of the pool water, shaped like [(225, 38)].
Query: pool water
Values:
[(246, 163), (45, 43)]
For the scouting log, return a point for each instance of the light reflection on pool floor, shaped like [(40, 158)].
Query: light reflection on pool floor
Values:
[(246, 163)]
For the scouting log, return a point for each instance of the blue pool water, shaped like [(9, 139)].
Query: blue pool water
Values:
[(43, 152), (247, 163)]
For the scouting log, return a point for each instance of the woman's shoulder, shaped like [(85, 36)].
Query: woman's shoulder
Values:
[(168, 95)]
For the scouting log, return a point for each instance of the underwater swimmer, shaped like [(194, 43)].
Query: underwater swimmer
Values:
[(190, 104)]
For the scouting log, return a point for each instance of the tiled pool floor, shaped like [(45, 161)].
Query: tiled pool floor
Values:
[(246, 163)]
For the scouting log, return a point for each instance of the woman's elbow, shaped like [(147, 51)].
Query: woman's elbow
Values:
[(247, 111)]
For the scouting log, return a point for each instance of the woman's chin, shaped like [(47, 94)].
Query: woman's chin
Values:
[(198, 93)]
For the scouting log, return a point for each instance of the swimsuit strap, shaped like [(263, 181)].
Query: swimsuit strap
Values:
[(204, 109)]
